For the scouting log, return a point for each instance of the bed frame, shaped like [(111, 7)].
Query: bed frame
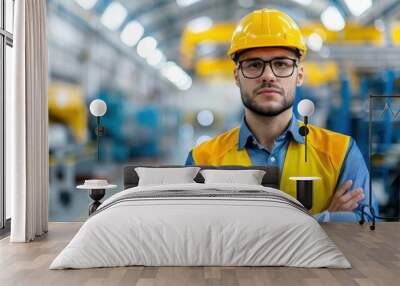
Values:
[(270, 179)]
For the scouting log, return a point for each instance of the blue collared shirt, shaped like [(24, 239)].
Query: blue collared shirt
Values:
[(354, 167)]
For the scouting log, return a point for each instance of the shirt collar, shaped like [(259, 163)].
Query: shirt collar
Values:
[(245, 134)]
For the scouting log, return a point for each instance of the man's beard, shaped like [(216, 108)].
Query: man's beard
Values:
[(251, 104)]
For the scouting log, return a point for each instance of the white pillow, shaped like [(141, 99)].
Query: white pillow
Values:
[(163, 176), (248, 177)]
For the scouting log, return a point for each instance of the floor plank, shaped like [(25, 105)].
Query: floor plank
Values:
[(374, 255)]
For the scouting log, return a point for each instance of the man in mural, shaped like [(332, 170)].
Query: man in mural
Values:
[(267, 48)]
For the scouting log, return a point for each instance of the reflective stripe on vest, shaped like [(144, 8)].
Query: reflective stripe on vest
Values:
[(326, 153)]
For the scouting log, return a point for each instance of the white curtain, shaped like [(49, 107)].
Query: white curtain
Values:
[(27, 122)]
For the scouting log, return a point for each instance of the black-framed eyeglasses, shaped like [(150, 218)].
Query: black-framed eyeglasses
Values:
[(254, 68)]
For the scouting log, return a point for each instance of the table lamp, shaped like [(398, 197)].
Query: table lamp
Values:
[(98, 108), (306, 109), (304, 185)]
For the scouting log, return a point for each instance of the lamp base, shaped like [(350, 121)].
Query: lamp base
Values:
[(305, 193), (96, 195), (305, 190)]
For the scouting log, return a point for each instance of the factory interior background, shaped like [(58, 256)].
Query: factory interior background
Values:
[(161, 67)]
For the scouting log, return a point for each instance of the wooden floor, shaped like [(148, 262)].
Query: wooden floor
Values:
[(375, 256)]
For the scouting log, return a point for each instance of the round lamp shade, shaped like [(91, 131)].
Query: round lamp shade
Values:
[(98, 107), (305, 107)]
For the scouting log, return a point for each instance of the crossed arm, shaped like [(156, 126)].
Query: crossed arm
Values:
[(352, 193)]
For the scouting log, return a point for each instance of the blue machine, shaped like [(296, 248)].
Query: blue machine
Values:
[(339, 119), (131, 131)]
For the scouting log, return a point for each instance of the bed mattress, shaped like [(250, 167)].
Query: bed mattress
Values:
[(201, 225)]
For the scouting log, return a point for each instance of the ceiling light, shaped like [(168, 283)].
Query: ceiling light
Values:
[(200, 24), (132, 33), (166, 68), (155, 58), (186, 85), (315, 42), (86, 4), (182, 80), (176, 75), (146, 46), (332, 19), (184, 3), (357, 7), (205, 118), (303, 2), (185, 81), (114, 16)]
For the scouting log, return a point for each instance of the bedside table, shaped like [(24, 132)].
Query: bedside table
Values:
[(97, 190)]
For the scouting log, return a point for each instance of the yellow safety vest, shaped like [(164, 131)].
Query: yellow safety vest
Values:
[(326, 153)]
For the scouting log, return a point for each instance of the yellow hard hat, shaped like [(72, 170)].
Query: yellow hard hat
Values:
[(267, 28)]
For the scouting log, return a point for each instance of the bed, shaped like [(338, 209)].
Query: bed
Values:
[(201, 224)]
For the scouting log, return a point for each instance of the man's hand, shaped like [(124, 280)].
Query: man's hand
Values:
[(346, 202)]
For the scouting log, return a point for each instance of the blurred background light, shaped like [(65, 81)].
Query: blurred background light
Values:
[(132, 33), (114, 16)]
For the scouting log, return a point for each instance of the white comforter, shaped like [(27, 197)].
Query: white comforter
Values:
[(200, 231)]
